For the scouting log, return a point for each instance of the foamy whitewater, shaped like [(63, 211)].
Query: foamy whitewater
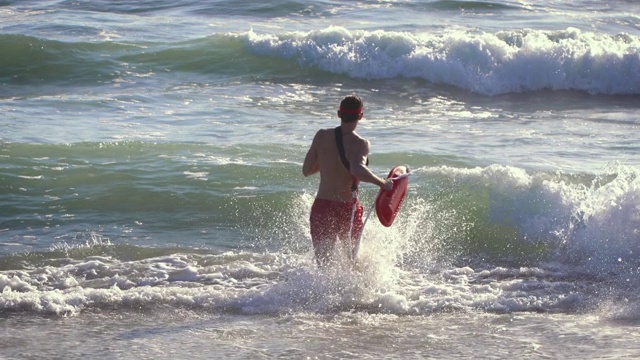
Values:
[(152, 204)]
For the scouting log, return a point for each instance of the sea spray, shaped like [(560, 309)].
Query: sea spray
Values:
[(606, 236)]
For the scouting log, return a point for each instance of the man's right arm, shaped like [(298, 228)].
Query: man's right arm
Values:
[(311, 164)]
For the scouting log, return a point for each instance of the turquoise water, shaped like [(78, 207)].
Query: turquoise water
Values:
[(151, 191)]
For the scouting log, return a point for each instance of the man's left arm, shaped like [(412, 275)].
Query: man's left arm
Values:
[(360, 170)]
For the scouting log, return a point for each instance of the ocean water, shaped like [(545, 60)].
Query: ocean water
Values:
[(152, 203)]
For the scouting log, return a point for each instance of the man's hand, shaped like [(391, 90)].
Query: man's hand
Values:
[(388, 184)]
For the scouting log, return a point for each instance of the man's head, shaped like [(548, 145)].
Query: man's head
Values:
[(350, 109)]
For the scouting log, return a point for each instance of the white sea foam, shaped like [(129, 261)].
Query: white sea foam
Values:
[(245, 287), (487, 63), (594, 224)]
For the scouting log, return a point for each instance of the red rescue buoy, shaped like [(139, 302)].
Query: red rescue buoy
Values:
[(388, 201)]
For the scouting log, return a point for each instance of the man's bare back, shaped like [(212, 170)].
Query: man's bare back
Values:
[(335, 179)]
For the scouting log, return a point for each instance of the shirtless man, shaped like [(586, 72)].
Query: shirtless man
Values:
[(332, 209)]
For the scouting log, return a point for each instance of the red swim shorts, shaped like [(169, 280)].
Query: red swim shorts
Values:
[(330, 221)]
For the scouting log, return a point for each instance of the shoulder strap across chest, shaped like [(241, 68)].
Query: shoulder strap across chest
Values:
[(343, 157)]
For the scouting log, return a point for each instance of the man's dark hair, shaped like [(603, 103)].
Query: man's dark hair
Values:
[(351, 102)]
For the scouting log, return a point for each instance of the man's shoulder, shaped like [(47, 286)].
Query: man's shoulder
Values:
[(360, 140), (323, 136), (325, 133), (327, 130)]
